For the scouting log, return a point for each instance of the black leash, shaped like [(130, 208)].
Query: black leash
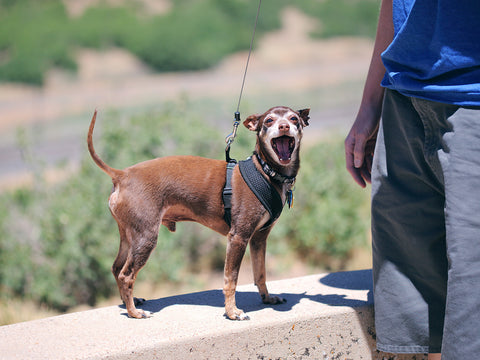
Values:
[(231, 137)]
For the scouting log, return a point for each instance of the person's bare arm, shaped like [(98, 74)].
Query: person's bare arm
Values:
[(360, 142)]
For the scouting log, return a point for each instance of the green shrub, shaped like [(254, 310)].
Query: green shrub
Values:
[(104, 26), (34, 37), (38, 35), (343, 17)]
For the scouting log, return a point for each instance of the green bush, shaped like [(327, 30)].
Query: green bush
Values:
[(343, 17), (38, 35), (59, 240), (34, 37)]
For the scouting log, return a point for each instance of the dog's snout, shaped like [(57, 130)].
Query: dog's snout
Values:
[(284, 127)]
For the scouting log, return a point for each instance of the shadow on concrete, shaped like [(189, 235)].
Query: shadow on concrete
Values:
[(250, 301), (352, 280)]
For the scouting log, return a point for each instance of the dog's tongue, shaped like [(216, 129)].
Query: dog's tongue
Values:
[(283, 148)]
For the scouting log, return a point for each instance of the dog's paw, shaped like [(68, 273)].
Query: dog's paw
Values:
[(237, 315), (273, 300), (242, 316), (139, 314)]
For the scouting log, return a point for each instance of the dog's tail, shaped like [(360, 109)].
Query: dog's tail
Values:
[(113, 173)]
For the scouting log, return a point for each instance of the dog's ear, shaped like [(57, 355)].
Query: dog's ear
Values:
[(304, 115), (251, 122)]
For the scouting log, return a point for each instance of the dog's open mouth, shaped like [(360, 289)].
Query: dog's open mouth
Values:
[(283, 147)]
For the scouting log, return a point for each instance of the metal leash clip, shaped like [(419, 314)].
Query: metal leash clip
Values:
[(231, 137)]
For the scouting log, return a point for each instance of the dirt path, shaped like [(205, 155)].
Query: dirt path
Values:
[(286, 61)]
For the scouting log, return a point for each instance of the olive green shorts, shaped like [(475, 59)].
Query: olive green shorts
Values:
[(426, 228)]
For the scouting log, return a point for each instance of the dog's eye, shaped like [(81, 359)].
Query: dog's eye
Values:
[(294, 119), (268, 121)]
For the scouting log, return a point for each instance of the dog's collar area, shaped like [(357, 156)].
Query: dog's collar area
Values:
[(283, 179)]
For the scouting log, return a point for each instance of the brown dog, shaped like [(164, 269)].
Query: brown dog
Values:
[(189, 188)]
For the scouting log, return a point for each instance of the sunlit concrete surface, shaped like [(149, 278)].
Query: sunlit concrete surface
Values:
[(326, 316)]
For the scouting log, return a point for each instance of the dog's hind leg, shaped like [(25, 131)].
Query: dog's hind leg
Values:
[(258, 245), (132, 256), (120, 260)]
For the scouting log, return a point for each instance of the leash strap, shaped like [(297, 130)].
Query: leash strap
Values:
[(249, 53), (263, 190), (231, 137)]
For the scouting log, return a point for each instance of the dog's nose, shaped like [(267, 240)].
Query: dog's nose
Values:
[(284, 127)]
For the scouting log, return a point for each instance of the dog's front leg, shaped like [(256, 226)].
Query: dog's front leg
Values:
[(258, 246), (236, 247)]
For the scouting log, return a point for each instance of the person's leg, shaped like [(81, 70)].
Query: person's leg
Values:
[(461, 164), (408, 230)]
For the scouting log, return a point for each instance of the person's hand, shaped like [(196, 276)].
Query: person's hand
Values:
[(360, 145), (360, 142)]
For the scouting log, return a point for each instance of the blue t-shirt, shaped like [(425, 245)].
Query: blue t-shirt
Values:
[(435, 53)]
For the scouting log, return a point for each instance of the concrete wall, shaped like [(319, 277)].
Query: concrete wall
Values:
[(327, 316)]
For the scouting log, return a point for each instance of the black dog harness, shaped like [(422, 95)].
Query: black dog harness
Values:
[(263, 190), (227, 192)]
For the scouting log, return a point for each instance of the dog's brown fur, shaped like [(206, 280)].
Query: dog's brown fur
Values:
[(189, 188)]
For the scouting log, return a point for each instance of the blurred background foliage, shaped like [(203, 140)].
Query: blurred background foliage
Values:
[(58, 239), (36, 36)]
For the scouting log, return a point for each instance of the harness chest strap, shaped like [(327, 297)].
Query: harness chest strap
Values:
[(263, 190), (227, 192)]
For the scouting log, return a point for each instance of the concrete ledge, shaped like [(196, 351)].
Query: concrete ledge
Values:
[(327, 316)]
